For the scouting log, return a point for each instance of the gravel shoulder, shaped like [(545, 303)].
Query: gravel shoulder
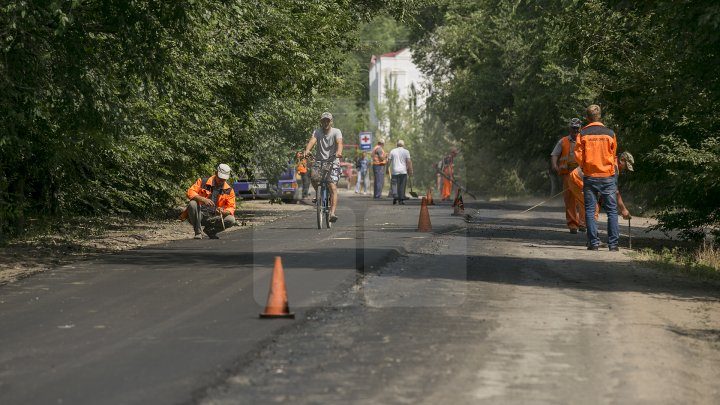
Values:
[(83, 239)]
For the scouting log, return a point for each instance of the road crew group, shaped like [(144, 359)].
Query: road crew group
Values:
[(586, 159)]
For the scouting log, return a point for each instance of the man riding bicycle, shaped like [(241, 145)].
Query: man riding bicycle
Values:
[(330, 143)]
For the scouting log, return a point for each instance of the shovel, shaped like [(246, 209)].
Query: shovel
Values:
[(412, 193)]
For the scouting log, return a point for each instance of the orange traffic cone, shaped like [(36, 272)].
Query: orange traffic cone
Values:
[(429, 197), (277, 302), (424, 224)]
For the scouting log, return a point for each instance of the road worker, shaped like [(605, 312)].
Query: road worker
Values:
[(575, 185), (446, 174), (379, 161), (596, 154), (302, 172), (212, 204), (562, 160)]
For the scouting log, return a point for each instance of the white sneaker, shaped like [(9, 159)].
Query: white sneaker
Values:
[(197, 236)]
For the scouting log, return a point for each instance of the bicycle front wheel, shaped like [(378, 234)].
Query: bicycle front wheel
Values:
[(319, 206)]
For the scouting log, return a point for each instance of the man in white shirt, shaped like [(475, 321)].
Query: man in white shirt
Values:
[(400, 168)]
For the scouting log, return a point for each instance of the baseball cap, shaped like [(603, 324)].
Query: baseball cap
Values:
[(401, 143), (381, 141), (629, 160), (326, 115), (575, 123), (223, 171)]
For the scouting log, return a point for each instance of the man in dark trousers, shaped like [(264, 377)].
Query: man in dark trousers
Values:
[(379, 160), (596, 154)]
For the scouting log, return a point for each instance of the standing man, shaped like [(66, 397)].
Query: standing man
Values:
[(330, 143), (400, 168), (596, 154), (575, 184), (446, 174), (363, 174), (302, 170), (562, 160), (379, 160), (212, 204)]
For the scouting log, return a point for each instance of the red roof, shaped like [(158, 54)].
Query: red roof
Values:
[(392, 54)]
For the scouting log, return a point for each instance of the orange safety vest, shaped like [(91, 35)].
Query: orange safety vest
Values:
[(302, 166), (204, 188), (379, 158), (596, 150), (567, 156)]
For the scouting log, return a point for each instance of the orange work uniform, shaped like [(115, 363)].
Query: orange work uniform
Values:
[(574, 210), (448, 173)]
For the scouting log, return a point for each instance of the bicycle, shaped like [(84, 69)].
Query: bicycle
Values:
[(322, 193)]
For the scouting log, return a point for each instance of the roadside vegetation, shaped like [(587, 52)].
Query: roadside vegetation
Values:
[(109, 107), (701, 262)]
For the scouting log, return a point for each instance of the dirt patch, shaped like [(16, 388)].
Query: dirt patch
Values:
[(83, 238)]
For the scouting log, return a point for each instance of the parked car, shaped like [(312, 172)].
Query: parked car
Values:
[(261, 187)]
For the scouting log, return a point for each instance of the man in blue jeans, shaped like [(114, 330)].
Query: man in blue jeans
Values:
[(379, 160), (596, 154)]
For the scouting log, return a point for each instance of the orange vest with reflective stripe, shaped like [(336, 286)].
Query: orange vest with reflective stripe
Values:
[(596, 150), (567, 156)]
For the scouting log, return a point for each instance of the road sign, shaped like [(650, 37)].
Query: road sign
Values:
[(365, 140)]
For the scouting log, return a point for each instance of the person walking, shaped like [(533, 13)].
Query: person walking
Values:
[(379, 160), (330, 144), (363, 174), (596, 154), (446, 174), (400, 168), (562, 160), (212, 204), (302, 171)]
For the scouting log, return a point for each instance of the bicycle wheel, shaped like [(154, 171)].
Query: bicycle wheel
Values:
[(326, 207), (319, 205), (328, 224)]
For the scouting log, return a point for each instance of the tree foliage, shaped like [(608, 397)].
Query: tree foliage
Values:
[(508, 74), (110, 105)]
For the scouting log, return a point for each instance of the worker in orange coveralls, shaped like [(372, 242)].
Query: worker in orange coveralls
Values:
[(446, 174)]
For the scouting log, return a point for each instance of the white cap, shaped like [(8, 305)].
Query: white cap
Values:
[(223, 171), (327, 115), (401, 143)]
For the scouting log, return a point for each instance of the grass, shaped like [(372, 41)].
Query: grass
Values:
[(701, 262)]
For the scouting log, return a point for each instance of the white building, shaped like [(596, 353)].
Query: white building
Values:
[(395, 69)]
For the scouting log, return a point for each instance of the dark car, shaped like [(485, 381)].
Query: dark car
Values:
[(285, 187)]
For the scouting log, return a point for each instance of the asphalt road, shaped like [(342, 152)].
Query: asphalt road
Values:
[(159, 325), (511, 310)]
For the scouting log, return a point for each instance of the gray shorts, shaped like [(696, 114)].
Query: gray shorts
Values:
[(334, 172)]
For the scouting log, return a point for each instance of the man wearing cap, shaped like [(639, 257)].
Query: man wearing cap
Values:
[(379, 160), (596, 154), (562, 160), (212, 204), (400, 168), (330, 143)]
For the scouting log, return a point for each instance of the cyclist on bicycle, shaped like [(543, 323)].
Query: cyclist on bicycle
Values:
[(330, 143)]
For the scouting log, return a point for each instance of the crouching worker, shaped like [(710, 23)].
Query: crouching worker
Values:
[(212, 204)]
